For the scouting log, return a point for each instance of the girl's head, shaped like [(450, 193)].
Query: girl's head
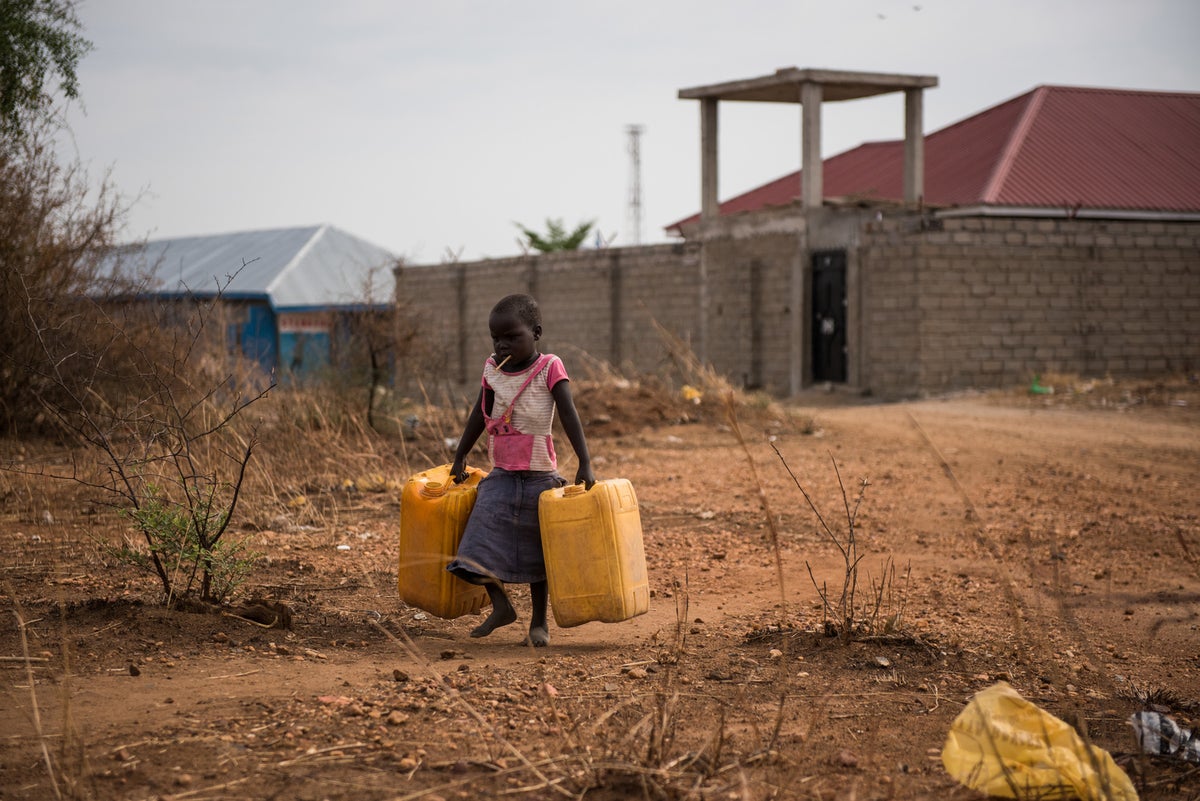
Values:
[(516, 326)]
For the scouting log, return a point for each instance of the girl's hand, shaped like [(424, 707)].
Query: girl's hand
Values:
[(585, 477), (458, 471)]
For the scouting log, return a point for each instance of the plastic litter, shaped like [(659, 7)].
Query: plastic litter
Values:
[(1005, 746), (1037, 388), (1159, 734)]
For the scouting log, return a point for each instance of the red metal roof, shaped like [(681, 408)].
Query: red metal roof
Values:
[(1055, 146)]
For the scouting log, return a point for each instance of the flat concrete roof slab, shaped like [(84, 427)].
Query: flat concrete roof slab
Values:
[(784, 86)]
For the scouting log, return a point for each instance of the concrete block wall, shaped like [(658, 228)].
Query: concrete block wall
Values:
[(936, 303), (751, 308), (596, 304), (996, 300), (889, 332)]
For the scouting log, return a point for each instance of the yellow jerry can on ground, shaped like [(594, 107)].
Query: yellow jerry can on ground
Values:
[(433, 515), (595, 560)]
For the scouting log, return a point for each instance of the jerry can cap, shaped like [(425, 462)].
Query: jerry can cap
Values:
[(573, 489), (433, 489)]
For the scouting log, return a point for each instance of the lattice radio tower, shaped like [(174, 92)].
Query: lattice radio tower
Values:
[(635, 182)]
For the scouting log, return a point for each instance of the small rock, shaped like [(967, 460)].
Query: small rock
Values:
[(847, 759), (882, 661), (133, 670), (399, 675), (638, 673), (397, 718), (776, 653)]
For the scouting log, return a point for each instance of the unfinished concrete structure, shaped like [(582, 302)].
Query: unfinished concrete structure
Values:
[(851, 277), (810, 88)]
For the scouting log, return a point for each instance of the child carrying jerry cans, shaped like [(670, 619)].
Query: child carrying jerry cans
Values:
[(519, 393)]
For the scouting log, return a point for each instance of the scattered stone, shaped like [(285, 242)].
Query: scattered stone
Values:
[(133, 670), (399, 675)]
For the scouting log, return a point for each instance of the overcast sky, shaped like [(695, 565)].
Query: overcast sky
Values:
[(431, 127)]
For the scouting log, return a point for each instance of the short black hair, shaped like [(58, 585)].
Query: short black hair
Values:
[(523, 307)]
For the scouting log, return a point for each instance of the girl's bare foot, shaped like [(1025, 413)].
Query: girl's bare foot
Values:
[(539, 637), (498, 618), (502, 611)]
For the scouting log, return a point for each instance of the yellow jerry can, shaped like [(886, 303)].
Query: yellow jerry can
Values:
[(433, 515), (595, 560)]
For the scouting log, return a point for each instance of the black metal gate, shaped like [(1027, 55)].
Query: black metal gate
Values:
[(829, 315)]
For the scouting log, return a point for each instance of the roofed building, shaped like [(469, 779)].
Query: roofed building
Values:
[(286, 293), (1052, 150), (1055, 232)]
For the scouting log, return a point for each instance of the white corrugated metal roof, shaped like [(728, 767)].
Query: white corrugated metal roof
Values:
[(313, 266)]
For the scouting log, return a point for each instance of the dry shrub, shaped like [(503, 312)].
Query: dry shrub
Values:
[(53, 234)]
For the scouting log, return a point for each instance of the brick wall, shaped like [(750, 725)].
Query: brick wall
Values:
[(597, 304), (991, 302), (935, 304)]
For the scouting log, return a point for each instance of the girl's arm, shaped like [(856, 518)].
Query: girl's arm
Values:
[(470, 435), (570, 423)]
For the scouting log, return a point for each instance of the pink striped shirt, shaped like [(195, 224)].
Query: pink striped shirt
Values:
[(519, 433)]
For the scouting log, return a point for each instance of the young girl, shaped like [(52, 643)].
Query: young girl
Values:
[(520, 390)]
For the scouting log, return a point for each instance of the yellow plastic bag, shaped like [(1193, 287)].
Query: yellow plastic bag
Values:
[(1005, 746)]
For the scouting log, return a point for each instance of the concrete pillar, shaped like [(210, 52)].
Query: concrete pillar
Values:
[(460, 292), (812, 190), (914, 146), (797, 297), (708, 159), (616, 296)]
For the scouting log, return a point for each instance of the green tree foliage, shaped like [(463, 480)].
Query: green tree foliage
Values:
[(39, 39), (557, 237)]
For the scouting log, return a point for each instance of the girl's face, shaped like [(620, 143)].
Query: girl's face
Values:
[(512, 336)]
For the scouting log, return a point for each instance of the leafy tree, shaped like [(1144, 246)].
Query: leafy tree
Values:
[(556, 237), (39, 39)]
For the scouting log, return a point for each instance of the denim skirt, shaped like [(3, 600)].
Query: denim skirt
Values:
[(502, 539)]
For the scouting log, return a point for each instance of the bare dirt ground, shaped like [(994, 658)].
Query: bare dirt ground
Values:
[(1050, 541)]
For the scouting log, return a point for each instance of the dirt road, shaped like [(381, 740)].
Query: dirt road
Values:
[(1052, 543)]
